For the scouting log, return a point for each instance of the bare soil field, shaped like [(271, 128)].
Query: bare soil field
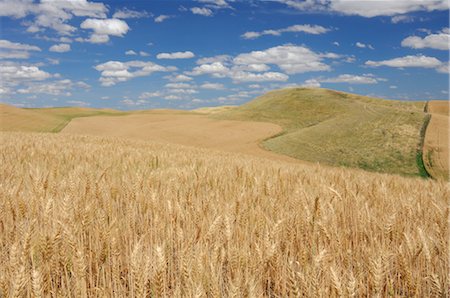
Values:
[(436, 143), (183, 129)]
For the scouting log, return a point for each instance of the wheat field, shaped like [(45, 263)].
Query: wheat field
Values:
[(103, 217)]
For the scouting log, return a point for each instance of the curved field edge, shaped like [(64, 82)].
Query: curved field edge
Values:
[(339, 129), (88, 216), (436, 140), (421, 162), (45, 119)]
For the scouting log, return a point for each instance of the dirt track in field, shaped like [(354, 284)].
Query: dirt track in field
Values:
[(191, 130), (436, 143)]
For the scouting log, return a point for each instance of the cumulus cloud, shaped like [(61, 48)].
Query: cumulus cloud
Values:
[(146, 95), (408, 61), (14, 50), (363, 45), (310, 29), (178, 85), (215, 3), (352, 79), (162, 18), (290, 58), (130, 53), (52, 14), (103, 28), (368, 8), (176, 55), (216, 69), (402, 19), (438, 41), (113, 72), (6, 44), (242, 76), (218, 58), (60, 48), (212, 86), (16, 73), (58, 87), (126, 13), (203, 11), (179, 78)]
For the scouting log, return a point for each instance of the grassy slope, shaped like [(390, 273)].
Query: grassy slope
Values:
[(44, 120), (339, 128)]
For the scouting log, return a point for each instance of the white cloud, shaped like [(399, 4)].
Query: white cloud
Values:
[(202, 11), (103, 28), (126, 13), (312, 83), (402, 19), (143, 54), (15, 73), (178, 85), (212, 86), (139, 102), (215, 3), (146, 95), (352, 79), (444, 68), (310, 29), (14, 55), (408, 61), (114, 27), (176, 55), (183, 91), (217, 69), (439, 41), (52, 14), (130, 53), (60, 48), (162, 18), (363, 45), (368, 8), (291, 59), (218, 58), (6, 44), (252, 67), (242, 76), (96, 38), (336, 43), (60, 87), (78, 103), (16, 8), (113, 72), (179, 78)]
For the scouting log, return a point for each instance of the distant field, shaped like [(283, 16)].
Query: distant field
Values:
[(44, 120), (184, 129), (436, 144), (84, 216), (339, 129)]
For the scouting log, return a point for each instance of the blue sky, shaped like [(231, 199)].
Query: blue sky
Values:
[(188, 54)]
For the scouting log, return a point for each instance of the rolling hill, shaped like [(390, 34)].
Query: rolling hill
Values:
[(45, 119), (338, 128)]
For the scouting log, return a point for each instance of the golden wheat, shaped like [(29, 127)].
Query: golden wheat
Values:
[(98, 217)]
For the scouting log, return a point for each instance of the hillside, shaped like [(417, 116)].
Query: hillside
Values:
[(339, 129), (44, 119), (84, 216)]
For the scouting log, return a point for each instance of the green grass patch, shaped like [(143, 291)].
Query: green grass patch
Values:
[(338, 128)]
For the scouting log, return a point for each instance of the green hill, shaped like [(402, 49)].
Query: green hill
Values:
[(338, 128)]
